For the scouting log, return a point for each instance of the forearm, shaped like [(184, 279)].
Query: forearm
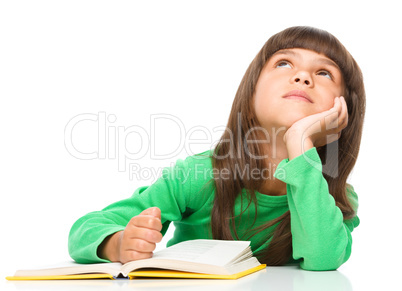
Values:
[(296, 145), (89, 232), (319, 234), (88, 238)]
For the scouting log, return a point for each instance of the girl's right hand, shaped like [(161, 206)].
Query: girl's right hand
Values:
[(317, 130), (137, 241)]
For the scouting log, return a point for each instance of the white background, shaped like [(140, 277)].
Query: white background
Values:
[(61, 59)]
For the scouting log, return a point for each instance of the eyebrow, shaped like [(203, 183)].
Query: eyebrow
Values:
[(325, 61)]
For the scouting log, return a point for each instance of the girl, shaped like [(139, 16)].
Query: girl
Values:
[(277, 176)]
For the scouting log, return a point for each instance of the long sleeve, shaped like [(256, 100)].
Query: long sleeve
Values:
[(169, 193), (321, 238)]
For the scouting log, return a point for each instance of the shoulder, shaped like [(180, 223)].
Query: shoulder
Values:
[(194, 172), (200, 168), (204, 158), (194, 164), (200, 171), (189, 164)]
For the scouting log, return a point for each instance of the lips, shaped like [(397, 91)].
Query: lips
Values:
[(298, 95)]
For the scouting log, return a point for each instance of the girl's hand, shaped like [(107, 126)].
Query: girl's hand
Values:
[(137, 241), (317, 129)]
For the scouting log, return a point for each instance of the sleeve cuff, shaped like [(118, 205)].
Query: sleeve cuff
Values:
[(290, 171), (89, 253)]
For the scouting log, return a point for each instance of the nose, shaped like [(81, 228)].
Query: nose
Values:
[(303, 78)]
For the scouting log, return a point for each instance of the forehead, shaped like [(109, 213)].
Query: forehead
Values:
[(305, 54)]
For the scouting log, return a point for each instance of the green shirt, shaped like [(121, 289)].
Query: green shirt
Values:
[(321, 238)]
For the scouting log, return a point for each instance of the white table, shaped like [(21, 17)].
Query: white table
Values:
[(272, 278)]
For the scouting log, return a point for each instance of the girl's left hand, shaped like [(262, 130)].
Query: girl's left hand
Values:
[(321, 128)]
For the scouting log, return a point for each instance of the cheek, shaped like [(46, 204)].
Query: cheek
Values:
[(262, 108), (327, 104), (264, 99), (266, 91), (259, 98), (328, 98), (328, 91)]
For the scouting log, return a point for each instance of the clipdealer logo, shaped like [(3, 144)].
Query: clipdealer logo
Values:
[(112, 143)]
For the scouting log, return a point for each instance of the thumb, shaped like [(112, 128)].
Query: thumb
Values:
[(154, 211)]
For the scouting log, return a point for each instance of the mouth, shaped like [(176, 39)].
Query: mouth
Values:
[(298, 95)]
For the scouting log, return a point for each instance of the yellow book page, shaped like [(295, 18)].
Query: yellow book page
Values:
[(178, 274), (62, 277)]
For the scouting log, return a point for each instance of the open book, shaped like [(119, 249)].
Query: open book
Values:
[(212, 259)]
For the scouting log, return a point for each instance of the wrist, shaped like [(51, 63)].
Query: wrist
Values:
[(109, 249), (296, 144)]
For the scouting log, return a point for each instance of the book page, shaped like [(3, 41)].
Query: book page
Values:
[(215, 252), (70, 268)]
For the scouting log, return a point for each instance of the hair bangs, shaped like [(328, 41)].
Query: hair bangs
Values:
[(314, 39)]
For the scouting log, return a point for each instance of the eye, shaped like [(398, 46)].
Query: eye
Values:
[(282, 64), (325, 74)]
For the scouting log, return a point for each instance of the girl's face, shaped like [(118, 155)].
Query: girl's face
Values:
[(293, 84)]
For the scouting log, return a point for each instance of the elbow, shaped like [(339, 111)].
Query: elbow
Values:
[(80, 255), (320, 265), (76, 246), (328, 262), (324, 254), (326, 259), (73, 250)]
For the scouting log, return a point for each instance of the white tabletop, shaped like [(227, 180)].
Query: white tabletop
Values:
[(371, 276), (271, 278)]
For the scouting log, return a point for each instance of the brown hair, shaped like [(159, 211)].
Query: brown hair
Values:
[(242, 118)]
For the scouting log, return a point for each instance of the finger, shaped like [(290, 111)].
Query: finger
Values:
[(332, 120), (338, 119), (343, 117), (346, 111), (338, 105), (149, 235), (336, 102), (154, 211), (139, 245), (133, 255), (146, 221)]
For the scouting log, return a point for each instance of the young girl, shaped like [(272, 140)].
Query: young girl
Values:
[(277, 177)]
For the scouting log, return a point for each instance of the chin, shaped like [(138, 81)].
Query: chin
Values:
[(282, 119), (288, 119)]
